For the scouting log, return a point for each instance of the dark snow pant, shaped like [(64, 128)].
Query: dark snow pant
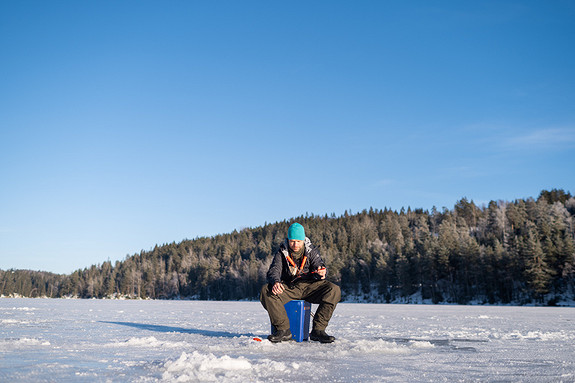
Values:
[(323, 293)]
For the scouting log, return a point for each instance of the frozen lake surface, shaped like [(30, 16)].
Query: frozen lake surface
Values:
[(52, 340)]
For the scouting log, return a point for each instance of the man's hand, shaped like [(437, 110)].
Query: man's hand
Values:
[(277, 288), (321, 272)]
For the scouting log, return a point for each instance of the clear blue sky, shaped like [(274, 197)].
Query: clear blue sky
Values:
[(125, 124)]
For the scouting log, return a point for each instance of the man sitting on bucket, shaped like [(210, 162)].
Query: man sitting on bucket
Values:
[(298, 272)]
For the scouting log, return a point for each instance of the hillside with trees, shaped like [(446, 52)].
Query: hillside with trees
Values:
[(518, 252)]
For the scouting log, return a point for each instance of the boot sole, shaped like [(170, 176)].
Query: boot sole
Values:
[(284, 339), (322, 340)]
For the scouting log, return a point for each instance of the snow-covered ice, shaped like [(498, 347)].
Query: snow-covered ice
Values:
[(56, 340)]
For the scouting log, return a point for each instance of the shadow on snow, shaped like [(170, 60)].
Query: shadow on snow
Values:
[(159, 328)]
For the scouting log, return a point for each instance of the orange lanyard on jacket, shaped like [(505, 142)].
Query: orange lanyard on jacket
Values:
[(294, 265)]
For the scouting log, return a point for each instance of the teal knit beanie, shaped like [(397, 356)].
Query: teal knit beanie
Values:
[(296, 231)]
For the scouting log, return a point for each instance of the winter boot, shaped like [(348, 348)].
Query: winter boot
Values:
[(280, 336), (321, 336)]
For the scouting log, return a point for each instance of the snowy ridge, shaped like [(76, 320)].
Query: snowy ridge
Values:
[(199, 366), (208, 367), (149, 341), (15, 343)]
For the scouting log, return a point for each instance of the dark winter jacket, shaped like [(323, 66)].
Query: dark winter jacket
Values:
[(279, 269)]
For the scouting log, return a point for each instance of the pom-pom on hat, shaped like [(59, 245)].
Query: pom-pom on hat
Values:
[(296, 231)]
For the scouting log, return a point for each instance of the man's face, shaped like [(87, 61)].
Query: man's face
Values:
[(295, 244)]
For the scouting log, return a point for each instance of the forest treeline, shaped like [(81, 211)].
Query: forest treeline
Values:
[(506, 252)]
